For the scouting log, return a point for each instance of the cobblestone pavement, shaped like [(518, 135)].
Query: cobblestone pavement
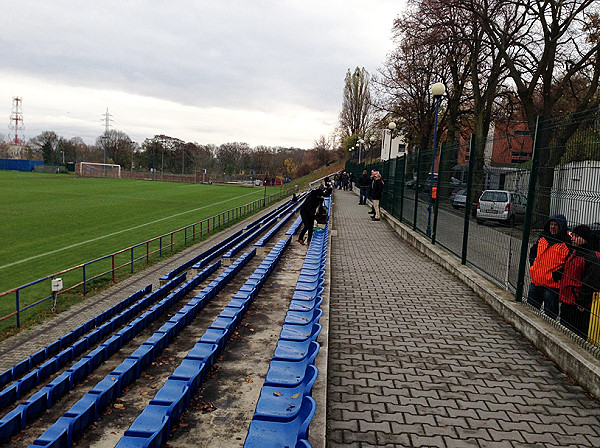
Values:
[(417, 359)]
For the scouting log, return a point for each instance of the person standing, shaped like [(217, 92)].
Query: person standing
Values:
[(371, 182), (308, 210), (546, 257), (363, 185), (376, 196), (578, 281)]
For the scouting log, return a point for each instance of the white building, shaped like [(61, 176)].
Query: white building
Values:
[(398, 146)]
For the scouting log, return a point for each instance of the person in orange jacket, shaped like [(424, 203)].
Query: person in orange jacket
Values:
[(546, 257)]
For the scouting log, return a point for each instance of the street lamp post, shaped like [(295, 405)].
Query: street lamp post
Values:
[(360, 142), (391, 127), (371, 140), (437, 90)]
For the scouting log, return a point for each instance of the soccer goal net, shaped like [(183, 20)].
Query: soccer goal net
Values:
[(93, 169)]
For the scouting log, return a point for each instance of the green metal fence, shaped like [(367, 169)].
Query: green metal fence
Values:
[(488, 196)]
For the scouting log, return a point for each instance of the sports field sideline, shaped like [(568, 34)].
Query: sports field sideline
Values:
[(52, 222)]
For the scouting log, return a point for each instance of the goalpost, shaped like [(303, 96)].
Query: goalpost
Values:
[(93, 169)]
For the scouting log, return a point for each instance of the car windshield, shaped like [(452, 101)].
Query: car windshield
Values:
[(494, 196), (461, 192)]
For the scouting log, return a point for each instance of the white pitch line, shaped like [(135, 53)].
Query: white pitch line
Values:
[(116, 233)]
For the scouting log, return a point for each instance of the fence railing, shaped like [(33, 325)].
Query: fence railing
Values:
[(79, 278), (558, 174)]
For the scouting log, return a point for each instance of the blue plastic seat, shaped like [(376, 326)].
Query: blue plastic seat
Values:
[(58, 387), (27, 383), (204, 352), (190, 371), (272, 434), (112, 344), (158, 340), (79, 347), (57, 436), (292, 350), (277, 403), (20, 368), (300, 332), (96, 357), (215, 336), (105, 391), (37, 358), (305, 305), (81, 415), (8, 395), (151, 424), (144, 355), (175, 394), (285, 373), (79, 371), (126, 372), (303, 317), (10, 424), (34, 406)]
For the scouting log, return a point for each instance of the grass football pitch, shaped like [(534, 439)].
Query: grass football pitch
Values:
[(52, 222)]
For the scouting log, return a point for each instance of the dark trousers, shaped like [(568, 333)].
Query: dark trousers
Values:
[(575, 319), (548, 296), (363, 195), (308, 222)]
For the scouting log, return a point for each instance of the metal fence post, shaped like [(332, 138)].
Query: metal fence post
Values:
[(18, 308), (402, 182), (468, 204), (535, 161), (436, 203), (417, 190)]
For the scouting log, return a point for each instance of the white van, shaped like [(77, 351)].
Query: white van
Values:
[(501, 205)]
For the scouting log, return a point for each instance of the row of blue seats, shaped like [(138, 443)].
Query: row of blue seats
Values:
[(285, 407), (248, 237), (79, 344), (17, 419), (294, 227), (63, 342), (198, 258), (88, 409), (268, 216), (267, 237), (151, 427)]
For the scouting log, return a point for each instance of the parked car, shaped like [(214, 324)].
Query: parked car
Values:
[(459, 198), (501, 205)]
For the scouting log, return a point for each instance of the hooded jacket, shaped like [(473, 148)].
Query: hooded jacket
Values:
[(580, 276), (549, 253)]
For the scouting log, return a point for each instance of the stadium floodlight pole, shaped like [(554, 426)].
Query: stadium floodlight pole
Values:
[(437, 90), (265, 194)]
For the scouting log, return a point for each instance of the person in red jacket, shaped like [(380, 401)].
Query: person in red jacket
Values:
[(547, 256), (578, 281)]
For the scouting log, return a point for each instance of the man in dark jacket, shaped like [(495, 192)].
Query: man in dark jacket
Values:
[(363, 185), (376, 193), (547, 256), (308, 210)]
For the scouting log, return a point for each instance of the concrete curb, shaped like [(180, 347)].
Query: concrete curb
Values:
[(578, 363)]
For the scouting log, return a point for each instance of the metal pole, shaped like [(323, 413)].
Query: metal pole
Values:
[(437, 106), (437, 201), (417, 189), (468, 205), (528, 211)]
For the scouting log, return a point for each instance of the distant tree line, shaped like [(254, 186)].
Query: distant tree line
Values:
[(172, 155)]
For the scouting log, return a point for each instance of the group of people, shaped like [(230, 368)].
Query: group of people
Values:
[(343, 181), (371, 186), (565, 273)]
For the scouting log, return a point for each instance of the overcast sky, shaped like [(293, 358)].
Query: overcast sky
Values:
[(264, 72)]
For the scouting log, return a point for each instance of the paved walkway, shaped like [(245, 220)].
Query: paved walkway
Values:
[(417, 359)]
